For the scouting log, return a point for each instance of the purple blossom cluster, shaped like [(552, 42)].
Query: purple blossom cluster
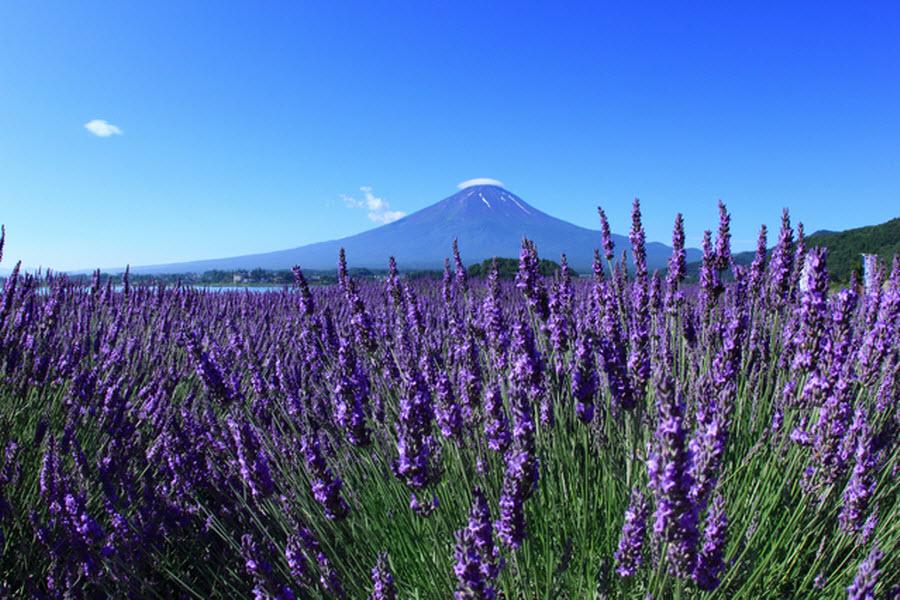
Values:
[(280, 444)]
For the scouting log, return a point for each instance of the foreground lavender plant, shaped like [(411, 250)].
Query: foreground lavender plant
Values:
[(382, 581), (477, 559), (710, 559), (584, 380), (629, 554), (668, 465), (863, 586)]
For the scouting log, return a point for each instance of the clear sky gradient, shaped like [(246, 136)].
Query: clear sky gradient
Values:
[(231, 128)]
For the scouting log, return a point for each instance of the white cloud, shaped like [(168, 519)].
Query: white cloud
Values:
[(388, 216), (479, 181), (378, 208), (102, 128)]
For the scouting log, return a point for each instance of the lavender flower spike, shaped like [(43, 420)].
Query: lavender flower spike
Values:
[(477, 558), (710, 559), (677, 265), (862, 481), (863, 586), (668, 466), (629, 555), (382, 581), (584, 379), (723, 239), (609, 248), (326, 488)]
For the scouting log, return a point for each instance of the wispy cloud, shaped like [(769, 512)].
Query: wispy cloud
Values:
[(102, 128), (479, 181), (378, 208)]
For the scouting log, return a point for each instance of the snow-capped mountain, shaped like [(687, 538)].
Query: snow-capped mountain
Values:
[(487, 219)]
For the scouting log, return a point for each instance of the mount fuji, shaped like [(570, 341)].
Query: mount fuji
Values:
[(487, 219)]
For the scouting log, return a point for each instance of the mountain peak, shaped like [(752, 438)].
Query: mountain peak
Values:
[(486, 218)]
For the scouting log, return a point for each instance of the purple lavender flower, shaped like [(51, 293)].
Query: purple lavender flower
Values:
[(447, 410), (469, 375), (637, 238), (810, 338), (799, 262), (832, 425), (360, 321), (710, 559), (605, 236), (471, 584), (584, 379), (211, 374), (256, 564), (415, 443), (639, 333), (861, 485), (526, 384), (423, 508), (307, 305), (447, 282), (677, 266), (392, 285), (597, 267), (869, 526), (560, 322), (328, 577), (863, 586), (326, 488), (612, 348), (382, 581), (723, 239), (878, 338), (522, 470), (758, 266), (494, 326), (710, 284), (518, 485), (351, 391), (707, 448), (668, 467), (480, 532), (528, 281), (496, 423), (782, 262), (251, 458), (461, 279), (839, 344), (630, 553)]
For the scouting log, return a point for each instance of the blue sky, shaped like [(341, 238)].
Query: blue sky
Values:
[(244, 126)]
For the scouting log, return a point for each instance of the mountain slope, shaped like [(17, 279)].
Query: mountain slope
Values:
[(487, 219)]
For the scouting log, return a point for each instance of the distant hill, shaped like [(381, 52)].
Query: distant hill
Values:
[(508, 268), (487, 219), (845, 248)]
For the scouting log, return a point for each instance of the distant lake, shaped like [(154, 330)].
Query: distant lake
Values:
[(241, 288)]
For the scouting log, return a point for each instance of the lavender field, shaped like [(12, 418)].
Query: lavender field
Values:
[(623, 435)]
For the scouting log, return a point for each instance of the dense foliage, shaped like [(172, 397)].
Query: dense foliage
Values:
[(619, 436), (845, 248), (508, 268)]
